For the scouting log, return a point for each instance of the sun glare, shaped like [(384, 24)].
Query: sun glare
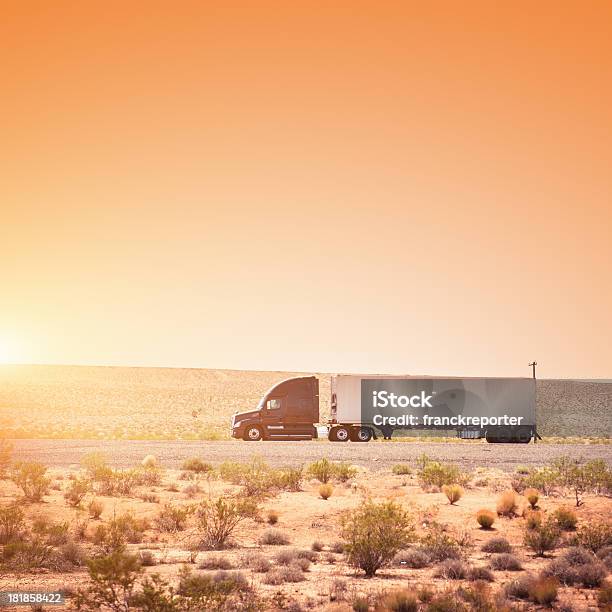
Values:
[(5, 352)]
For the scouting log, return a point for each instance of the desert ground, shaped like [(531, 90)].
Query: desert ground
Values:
[(289, 551), (120, 403)]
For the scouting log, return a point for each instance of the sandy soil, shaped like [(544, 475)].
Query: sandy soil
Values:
[(304, 517)]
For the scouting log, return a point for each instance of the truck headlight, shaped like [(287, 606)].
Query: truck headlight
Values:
[(236, 424)]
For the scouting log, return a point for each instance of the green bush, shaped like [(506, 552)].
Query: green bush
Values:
[(543, 537), (77, 490), (594, 535), (566, 518), (30, 477), (437, 474), (401, 469), (343, 471), (217, 519), (11, 524), (171, 519), (322, 470), (112, 582), (439, 545), (195, 464), (453, 493), (119, 531), (374, 533), (289, 479)]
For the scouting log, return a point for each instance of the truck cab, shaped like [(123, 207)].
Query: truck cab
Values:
[(288, 411)]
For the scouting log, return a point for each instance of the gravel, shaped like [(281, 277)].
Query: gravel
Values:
[(374, 455)]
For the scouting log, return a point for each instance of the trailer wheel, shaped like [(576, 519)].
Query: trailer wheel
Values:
[(523, 435), (339, 434), (361, 434), (504, 435), (253, 434)]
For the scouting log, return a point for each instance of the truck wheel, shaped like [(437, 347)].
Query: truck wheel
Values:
[(523, 435), (253, 434), (339, 434), (361, 434), (504, 435)]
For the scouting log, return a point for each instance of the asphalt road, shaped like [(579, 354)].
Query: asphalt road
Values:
[(375, 455)]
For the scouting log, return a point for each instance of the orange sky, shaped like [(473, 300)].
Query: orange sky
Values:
[(340, 186)]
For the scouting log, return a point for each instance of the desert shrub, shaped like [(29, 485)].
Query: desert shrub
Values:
[(338, 547), (439, 545), (412, 558), (95, 465), (195, 464), (522, 469), (216, 592), (437, 474), (532, 496), (77, 490), (374, 533), (519, 588), (150, 498), (605, 555), (594, 535), (481, 573), (171, 519), (289, 479), (322, 470), (316, 546), (592, 476), (11, 524), (218, 519), (544, 479), (95, 508), (497, 545), (479, 597), (445, 602), (286, 556), (576, 555), (543, 590), (485, 518), (506, 504), (29, 554), (505, 562), (566, 518), (272, 517), (29, 476), (599, 476), (216, 562), (112, 582), (73, 553), (533, 519), (149, 462), (401, 469), (281, 575), (57, 534), (399, 600), (343, 471), (258, 563), (325, 490), (564, 572), (542, 538), (113, 536), (172, 487), (274, 537), (592, 575), (453, 493), (451, 569), (191, 490)]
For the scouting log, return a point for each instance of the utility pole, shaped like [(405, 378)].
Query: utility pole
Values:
[(533, 365)]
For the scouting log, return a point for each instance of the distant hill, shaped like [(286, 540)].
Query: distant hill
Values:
[(160, 403)]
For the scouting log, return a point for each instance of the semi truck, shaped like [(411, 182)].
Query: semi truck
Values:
[(366, 407)]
